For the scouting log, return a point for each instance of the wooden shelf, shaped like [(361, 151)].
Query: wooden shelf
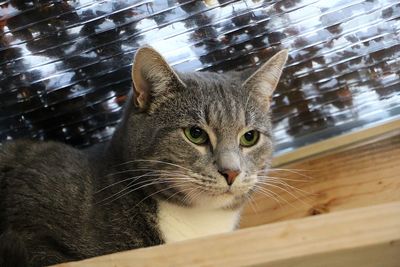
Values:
[(340, 142), (358, 177), (361, 237)]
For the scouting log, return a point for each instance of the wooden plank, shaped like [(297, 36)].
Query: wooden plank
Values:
[(367, 237), (339, 142), (362, 176)]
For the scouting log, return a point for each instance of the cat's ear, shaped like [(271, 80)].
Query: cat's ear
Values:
[(152, 77), (264, 81)]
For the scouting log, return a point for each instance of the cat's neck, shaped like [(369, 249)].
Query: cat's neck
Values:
[(177, 223)]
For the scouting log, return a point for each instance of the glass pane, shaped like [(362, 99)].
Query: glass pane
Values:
[(65, 64)]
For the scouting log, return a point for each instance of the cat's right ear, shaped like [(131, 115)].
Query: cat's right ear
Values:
[(153, 79)]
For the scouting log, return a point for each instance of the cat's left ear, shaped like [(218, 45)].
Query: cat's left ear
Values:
[(264, 81), (153, 79)]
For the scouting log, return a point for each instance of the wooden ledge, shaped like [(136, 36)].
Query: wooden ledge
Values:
[(340, 142), (357, 177), (365, 237)]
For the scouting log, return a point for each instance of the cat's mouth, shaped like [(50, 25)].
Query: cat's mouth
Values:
[(215, 193), (226, 191), (221, 198)]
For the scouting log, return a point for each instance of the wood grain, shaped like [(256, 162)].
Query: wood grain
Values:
[(367, 237), (359, 177), (340, 142)]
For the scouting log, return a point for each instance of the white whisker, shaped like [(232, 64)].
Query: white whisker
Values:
[(295, 171), (146, 183), (156, 161), (290, 193)]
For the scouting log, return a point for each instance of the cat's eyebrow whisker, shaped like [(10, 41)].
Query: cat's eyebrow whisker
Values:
[(247, 101)]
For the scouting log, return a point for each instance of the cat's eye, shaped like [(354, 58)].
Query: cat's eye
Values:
[(249, 138), (196, 135)]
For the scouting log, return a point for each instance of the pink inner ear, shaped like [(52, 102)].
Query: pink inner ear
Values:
[(140, 100), (141, 88), (141, 95)]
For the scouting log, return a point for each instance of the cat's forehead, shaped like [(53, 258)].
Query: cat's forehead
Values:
[(221, 102), (208, 80), (215, 86)]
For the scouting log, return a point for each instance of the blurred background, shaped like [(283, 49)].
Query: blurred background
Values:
[(65, 65)]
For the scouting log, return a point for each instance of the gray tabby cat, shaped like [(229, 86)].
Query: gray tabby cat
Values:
[(181, 165)]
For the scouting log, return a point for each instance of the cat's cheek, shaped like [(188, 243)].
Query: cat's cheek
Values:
[(261, 154), (250, 180)]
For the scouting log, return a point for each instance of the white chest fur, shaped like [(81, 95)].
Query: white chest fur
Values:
[(180, 223)]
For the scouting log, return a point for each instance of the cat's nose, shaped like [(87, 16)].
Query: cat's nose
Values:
[(230, 175)]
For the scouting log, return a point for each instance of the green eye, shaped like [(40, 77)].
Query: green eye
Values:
[(249, 138), (196, 135)]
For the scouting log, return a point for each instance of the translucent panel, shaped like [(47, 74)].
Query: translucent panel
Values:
[(64, 65)]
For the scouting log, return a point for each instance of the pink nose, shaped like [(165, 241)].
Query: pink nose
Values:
[(230, 175)]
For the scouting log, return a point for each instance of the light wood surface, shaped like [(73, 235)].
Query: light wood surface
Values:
[(340, 142), (367, 237), (359, 177)]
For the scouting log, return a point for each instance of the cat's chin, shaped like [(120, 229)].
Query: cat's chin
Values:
[(226, 199)]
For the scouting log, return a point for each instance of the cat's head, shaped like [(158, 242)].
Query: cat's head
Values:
[(201, 138)]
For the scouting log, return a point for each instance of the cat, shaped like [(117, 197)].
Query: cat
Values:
[(181, 165)]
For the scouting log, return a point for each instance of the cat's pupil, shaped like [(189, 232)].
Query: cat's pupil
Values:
[(196, 132), (249, 136)]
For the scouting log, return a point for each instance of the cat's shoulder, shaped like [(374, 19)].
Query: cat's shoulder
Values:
[(51, 157), (49, 167), (47, 178), (30, 150)]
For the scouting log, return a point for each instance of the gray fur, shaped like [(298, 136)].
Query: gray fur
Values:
[(60, 204)]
